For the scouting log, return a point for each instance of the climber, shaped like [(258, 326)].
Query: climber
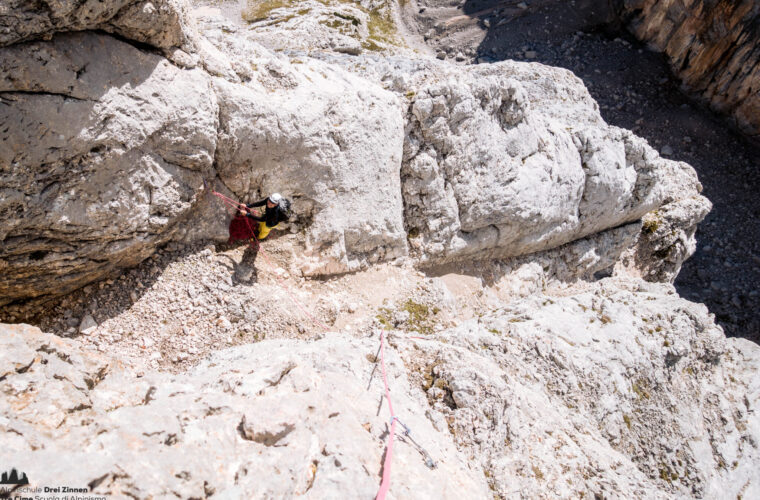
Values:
[(277, 210)]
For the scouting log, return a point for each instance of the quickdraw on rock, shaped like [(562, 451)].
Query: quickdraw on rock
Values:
[(385, 483), (408, 434)]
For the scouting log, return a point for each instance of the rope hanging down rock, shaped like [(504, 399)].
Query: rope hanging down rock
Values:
[(385, 483)]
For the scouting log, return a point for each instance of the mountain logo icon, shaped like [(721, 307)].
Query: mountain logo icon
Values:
[(13, 477)]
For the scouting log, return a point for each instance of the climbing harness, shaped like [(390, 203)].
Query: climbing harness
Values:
[(386, 477)]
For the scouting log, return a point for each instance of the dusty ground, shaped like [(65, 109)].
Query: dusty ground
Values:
[(183, 303), (635, 90)]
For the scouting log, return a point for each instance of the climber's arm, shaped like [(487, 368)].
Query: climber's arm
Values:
[(259, 203)]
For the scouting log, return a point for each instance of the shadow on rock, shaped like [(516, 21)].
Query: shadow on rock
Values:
[(636, 90)]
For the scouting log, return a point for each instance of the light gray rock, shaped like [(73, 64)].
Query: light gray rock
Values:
[(163, 150), (513, 158), (15, 356), (340, 167), (108, 147), (620, 390), (161, 23), (103, 149), (624, 390), (267, 420)]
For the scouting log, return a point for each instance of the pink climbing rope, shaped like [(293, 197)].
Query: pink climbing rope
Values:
[(385, 483)]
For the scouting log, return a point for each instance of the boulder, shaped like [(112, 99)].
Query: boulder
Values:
[(511, 158), (160, 23), (103, 153)]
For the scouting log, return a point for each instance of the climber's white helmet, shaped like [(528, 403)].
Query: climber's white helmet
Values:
[(275, 198)]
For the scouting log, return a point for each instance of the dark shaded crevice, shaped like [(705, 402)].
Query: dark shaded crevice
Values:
[(271, 439), (47, 349), (382, 464), (241, 430), (97, 481), (81, 71), (313, 477), (685, 62), (281, 376), (4, 93), (141, 46), (79, 407), (93, 381), (149, 395), (24, 369)]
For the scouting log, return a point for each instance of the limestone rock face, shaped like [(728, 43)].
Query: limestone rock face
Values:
[(106, 146), (334, 145), (161, 23), (621, 390), (513, 158), (324, 137), (98, 161), (490, 166), (624, 390), (275, 419), (713, 47)]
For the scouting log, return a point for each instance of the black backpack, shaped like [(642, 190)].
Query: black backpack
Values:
[(283, 209)]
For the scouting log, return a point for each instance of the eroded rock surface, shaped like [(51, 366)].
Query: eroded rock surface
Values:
[(493, 164), (160, 23), (107, 147), (265, 420), (622, 390), (510, 158), (334, 145), (629, 370), (99, 162)]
